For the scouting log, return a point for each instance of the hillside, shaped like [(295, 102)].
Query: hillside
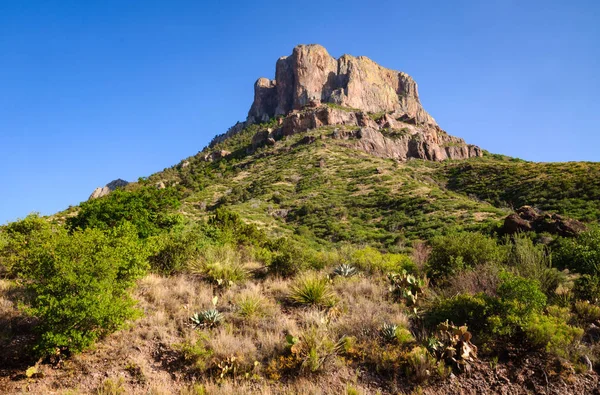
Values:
[(337, 241)]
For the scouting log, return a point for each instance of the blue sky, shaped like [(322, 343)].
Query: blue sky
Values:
[(91, 91)]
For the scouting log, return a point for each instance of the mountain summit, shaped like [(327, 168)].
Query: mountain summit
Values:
[(376, 109)]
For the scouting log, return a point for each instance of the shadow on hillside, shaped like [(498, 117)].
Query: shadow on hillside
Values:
[(16, 336)]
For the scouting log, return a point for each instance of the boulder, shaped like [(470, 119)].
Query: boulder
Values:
[(527, 218), (108, 188)]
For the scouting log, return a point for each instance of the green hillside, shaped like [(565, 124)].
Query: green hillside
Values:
[(301, 266)]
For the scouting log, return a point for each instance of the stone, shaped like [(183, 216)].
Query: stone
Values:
[(108, 188), (310, 77), (527, 218)]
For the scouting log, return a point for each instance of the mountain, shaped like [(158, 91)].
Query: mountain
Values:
[(336, 241)]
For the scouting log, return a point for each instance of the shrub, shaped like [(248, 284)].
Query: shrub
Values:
[(221, 265), (311, 289), (372, 261), (459, 250), (174, 250), (552, 334), (463, 309), (587, 287), (78, 282), (586, 312), (288, 258), (231, 229), (419, 364), (581, 254), (148, 208), (252, 305), (534, 262)]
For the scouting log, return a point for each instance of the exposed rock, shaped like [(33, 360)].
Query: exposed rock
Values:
[(528, 218), (312, 90), (310, 77), (215, 155), (108, 188)]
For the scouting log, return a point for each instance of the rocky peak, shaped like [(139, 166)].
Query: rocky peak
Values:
[(108, 188), (310, 77)]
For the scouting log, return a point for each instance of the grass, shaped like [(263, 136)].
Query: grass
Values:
[(311, 289)]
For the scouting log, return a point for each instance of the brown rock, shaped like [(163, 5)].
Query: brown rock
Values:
[(310, 76), (527, 218), (108, 188)]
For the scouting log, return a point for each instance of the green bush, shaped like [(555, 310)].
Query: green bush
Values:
[(148, 208), (581, 254), (587, 287), (174, 250), (288, 257), (552, 334), (462, 309), (231, 229), (373, 261), (78, 282), (312, 289), (459, 250), (534, 262)]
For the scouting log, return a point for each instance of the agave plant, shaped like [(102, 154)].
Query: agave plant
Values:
[(388, 332), (345, 270), (207, 318)]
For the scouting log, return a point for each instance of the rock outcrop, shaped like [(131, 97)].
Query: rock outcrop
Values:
[(108, 188), (529, 219), (310, 77), (377, 109)]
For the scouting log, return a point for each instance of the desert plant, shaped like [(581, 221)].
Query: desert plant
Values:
[(388, 332), (207, 318), (452, 345), (552, 334), (311, 289), (345, 270), (220, 265), (586, 312), (419, 364), (406, 287)]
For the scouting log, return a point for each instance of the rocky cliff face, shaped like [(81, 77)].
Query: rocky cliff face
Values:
[(108, 188), (310, 76), (379, 108)]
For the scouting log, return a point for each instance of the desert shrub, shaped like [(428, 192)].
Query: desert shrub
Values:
[(371, 261), (534, 262), (552, 334), (312, 289), (580, 254), (175, 249), (231, 229), (78, 283), (314, 348), (586, 312), (587, 287), (288, 257), (420, 364), (222, 265), (251, 304), (456, 251), (479, 279), (148, 208), (462, 309)]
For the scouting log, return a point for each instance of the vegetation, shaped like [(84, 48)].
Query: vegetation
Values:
[(322, 260)]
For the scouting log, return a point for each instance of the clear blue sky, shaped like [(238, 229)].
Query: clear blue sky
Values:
[(91, 91)]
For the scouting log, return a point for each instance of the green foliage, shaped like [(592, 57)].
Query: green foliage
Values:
[(456, 251), (581, 254), (586, 312), (552, 334), (534, 262), (462, 309), (207, 318), (587, 287), (345, 270), (221, 264), (231, 229), (388, 332), (289, 257), (77, 281), (406, 287), (571, 188), (372, 261), (312, 289), (148, 208)]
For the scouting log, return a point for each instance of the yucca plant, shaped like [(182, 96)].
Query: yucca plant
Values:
[(388, 332), (313, 290), (345, 270)]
